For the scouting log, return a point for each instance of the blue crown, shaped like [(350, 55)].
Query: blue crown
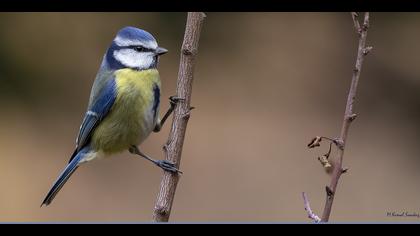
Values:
[(131, 33)]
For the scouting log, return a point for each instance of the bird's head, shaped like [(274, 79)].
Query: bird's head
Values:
[(134, 48)]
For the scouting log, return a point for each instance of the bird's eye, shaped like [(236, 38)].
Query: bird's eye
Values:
[(139, 49)]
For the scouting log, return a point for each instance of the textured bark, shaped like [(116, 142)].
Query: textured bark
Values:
[(173, 146)]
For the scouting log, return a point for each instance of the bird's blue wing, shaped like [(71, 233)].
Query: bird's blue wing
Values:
[(98, 109)]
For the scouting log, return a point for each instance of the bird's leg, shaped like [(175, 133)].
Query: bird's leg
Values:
[(164, 164), (172, 101)]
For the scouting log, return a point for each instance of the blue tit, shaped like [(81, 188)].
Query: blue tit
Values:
[(123, 106)]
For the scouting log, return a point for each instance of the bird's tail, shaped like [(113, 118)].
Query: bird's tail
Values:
[(64, 176)]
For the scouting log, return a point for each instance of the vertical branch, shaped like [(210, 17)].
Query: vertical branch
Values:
[(173, 146), (349, 116)]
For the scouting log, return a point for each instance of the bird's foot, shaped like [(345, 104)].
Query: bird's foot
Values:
[(173, 100), (168, 166)]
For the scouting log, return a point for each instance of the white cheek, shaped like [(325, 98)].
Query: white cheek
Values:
[(131, 58)]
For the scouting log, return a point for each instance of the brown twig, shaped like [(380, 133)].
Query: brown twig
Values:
[(349, 116), (173, 146)]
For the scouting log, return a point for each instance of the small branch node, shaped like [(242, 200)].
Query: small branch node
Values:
[(366, 50), (188, 51), (339, 143), (365, 26), (165, 147), (352, 117), (330, 192), (344, 170)]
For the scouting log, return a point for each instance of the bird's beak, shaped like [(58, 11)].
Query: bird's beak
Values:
[(160, 51)]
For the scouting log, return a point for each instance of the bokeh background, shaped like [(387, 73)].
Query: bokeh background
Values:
[(265, 84)]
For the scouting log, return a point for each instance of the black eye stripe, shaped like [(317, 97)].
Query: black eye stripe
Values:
[(137, 48), (141, 49)]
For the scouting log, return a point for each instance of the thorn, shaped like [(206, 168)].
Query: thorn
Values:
[(344, 170), (191, 108), (366, 50), (315, 142), (352, 117), (329, 191), (165, 147)]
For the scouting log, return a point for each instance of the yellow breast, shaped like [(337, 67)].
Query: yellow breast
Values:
[(131, 118)]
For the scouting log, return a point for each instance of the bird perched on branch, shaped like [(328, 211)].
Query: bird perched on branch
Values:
[(123, 106)]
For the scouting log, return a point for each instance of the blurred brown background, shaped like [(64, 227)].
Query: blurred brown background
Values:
[(265, 84)]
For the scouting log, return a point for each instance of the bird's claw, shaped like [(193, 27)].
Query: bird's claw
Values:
[(173, 100), (168, 166)]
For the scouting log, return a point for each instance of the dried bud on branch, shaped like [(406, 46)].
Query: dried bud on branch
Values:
[(315, 142)]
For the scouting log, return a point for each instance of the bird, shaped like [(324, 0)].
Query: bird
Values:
[(123, 107)]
